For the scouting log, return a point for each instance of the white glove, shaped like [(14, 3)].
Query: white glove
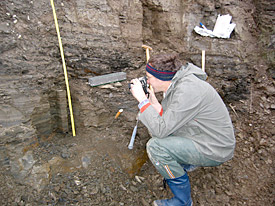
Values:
[(137, 90)]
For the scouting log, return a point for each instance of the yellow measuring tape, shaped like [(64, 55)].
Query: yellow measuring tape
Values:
[(64, 67)]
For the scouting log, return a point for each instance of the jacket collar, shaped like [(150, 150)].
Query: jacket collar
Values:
[(185, 71)]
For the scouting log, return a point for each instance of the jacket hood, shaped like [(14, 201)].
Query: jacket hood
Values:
[(190, 69)]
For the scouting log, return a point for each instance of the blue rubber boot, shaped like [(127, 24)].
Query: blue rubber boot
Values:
[(181, 189)]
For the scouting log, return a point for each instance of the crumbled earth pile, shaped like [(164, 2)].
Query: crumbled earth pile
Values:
[(42, 163)]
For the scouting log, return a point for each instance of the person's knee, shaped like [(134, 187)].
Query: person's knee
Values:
[(151, 146)]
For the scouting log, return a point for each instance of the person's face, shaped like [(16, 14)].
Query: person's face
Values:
[(154, 82)]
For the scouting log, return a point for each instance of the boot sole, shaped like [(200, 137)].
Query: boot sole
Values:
[(155, 204)]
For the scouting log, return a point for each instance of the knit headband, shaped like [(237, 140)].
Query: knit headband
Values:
[(162, 75)]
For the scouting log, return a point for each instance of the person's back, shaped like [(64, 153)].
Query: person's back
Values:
[(202, 114)]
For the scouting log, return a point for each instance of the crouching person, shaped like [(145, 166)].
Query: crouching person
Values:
[(190, 128)]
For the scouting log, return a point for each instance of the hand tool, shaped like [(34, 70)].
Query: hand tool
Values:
[(147, 48), (131, 144), (118, 113)]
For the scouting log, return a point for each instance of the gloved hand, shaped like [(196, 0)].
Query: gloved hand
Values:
[(137, 90)]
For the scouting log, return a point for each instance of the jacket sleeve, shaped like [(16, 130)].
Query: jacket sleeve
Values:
[(182, 108)]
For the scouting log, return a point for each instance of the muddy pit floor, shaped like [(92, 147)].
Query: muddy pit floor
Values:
[(96, 167)]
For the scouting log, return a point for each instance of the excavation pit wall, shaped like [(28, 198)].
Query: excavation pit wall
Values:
[(102, 37)]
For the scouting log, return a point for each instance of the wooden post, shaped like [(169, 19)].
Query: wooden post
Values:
[(203, 60)]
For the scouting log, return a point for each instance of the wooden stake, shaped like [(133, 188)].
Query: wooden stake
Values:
[(203, 60)]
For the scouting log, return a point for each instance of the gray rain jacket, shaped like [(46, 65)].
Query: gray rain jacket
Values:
[(193, 109)]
